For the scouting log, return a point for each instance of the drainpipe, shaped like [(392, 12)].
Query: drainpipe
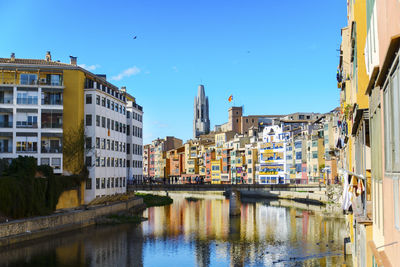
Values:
[(365, 170)]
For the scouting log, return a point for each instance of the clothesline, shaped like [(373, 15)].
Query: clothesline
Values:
[(353, 174)]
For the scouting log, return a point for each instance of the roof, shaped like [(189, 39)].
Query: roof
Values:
[(34, 63), (29, 61)]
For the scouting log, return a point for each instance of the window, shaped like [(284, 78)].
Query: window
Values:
[(88, 142), (88, 99), (88, 120), (103, 122), (128, 130), (103, 101), (112, 125), (108, 123), (88, 183), (28, 79), (249, 170), (103, 143), (112, 182), (45, 161), (392, 123), (108, 182), (97, 183), (97, 142), (396, 201), (108, 144), (89, 161), (314, 155), (108, 103), (108, 162), (98, 103), (97, 120), (103, 183), (112, 105)]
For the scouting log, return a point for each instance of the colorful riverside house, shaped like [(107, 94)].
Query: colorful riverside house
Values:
[(272, 156), (216, 171), (226, 167), (208, 157)]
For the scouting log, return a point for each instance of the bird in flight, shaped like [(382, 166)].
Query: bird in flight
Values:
[(134, 37)]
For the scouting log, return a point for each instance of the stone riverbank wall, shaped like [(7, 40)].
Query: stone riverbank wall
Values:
[(27, 229)]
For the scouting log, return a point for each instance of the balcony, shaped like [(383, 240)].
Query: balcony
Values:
[(52, 98), (6, 100), (27, 124), (51, 149), (26, 147), (52, 119), (6, 143), (27, 100), (31, 79), (6, 124)]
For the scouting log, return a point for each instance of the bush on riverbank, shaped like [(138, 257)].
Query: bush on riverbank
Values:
[(154, 200), (29, 190)]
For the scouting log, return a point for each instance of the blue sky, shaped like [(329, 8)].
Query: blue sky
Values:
[(275, 57)]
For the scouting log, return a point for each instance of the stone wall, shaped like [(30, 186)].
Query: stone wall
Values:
[(26, 229)]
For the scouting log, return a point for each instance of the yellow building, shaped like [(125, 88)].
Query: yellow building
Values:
[(68, 118), (216, 166)]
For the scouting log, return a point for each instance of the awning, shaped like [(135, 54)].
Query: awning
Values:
[(357, 120), (372, 80), (390, 55)]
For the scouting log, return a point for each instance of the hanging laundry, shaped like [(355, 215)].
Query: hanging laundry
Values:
[(360, 187), (346, 195), (353, 184)]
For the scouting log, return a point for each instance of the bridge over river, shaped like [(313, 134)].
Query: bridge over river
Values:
[(305, 193), (227, 187)]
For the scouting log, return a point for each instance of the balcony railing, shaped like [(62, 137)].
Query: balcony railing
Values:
[(6, 149), (7, 124), (50, 125), (6, 100), (51, 149), (52, 102), (31, 82), (26, 124), (27, 101)]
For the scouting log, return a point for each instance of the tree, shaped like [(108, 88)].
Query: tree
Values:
[(74, 149)]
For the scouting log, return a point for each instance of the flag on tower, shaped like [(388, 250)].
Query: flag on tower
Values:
[(230, 98)]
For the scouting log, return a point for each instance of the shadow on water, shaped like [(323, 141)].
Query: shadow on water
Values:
[(197, 233)]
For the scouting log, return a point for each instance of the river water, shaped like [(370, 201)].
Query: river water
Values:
[(198, 232)]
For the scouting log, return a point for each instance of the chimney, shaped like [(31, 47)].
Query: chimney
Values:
[(12, 57), (48, 56), (73, 60)]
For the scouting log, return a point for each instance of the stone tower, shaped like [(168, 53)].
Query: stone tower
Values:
[(201, 121)]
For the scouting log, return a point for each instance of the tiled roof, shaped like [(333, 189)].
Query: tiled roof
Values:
[(32, 62)]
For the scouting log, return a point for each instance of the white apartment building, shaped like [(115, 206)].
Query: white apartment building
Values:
[(134, 116), (31, 118)]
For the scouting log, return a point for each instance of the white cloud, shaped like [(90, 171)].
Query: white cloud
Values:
[(90, 67), (126, 73)]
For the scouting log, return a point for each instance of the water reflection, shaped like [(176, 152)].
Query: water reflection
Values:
[(197, 233), (262, 235)]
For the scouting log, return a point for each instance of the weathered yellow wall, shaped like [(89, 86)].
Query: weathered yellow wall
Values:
[(68, 199), (360, 16), (73, 108)]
